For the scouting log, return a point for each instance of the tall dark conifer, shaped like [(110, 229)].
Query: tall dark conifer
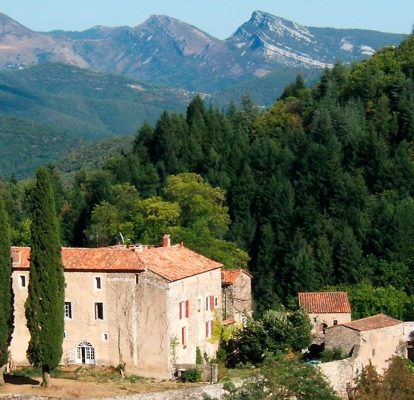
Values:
[(45, 301), (6, 294)]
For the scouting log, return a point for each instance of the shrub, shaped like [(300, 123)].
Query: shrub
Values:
[(199, 357), (332, 355), (191, 375)]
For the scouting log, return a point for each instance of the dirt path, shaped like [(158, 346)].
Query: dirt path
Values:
[(75, 389)]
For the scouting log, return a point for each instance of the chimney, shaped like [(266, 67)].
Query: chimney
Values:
[(166, 241)]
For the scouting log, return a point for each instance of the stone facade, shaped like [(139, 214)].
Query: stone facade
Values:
[(375, 345), (322, 321), (236, 295), (373, 340), (138, 317)]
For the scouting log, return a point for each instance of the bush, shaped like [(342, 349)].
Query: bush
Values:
[(199, 357), (191, 375), (332, 355)]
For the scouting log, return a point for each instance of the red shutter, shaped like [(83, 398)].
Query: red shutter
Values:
[(211, 302), (187, 308), (212, 327), (180, 313), (207, 323)]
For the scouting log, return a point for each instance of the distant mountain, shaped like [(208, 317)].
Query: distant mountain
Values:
[(166, 51), (20, 46), (87, 105), (48, 110), (269, 40)]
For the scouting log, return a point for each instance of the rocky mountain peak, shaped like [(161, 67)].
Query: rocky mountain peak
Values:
[(277, 27), (9, 26)]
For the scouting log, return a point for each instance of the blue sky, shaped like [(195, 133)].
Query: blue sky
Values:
[(217, 17)]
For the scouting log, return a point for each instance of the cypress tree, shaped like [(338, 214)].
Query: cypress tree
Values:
[(45, 301), (6, 293)]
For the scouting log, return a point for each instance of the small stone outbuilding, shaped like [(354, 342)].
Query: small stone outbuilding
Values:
[(325, 309), (372, 340), (236, 295)]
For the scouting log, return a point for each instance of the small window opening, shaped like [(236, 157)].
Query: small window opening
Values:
[(98, 282), (99, 311)]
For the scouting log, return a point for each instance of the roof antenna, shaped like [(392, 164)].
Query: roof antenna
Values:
[(122, 238)]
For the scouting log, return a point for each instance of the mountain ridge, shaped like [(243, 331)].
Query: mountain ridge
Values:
[(166, 51)]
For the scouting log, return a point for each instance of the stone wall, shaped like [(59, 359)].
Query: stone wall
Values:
[(342, 338), (209, 372), (339, 374)]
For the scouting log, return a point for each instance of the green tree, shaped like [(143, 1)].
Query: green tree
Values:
[(6, 293), (283, 379), (367, 300), (104, 227), (273, 334), (45, 302)]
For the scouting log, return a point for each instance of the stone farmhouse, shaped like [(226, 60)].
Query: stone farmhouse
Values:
[(325, 309), (368, 340), (372, 340), (147, 307)]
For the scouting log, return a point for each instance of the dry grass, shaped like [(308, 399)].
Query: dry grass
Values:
[(82, 382)]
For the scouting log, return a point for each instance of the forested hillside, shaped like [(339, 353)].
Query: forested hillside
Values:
[(319, 188)]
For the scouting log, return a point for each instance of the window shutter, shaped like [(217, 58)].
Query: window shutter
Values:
[(211, 302), (187, 308), (212, 327), (207, 323), (180, 309)]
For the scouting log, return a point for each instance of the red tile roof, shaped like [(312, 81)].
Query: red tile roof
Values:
[(229, 276), (176, 262), (172, 263), (325, 302), (86, 259), (370, 323)]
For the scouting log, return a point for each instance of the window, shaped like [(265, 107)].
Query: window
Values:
[(105, 337), (373, 352), (209, 328), (68, 310), (184, 309), (210, 303), (98, 282), (215, 302), (22, 281), (198, 305), (99, 314), (136, 279), (335, 322), (184, 336), (64, 335)]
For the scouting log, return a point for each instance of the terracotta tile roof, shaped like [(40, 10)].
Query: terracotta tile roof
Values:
[(370, 323), (176, 262), (325, 302), (86, 259), (229, 276), (172, 263)]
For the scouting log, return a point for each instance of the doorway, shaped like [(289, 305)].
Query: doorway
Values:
[(85, 354)]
